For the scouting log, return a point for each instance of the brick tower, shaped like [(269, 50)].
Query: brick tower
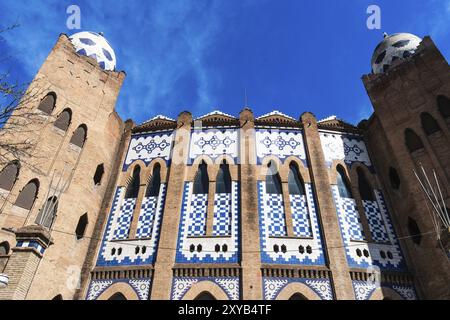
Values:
[(410, 90), (53, 192)]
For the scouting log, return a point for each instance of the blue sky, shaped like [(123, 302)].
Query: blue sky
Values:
[(201, 55)]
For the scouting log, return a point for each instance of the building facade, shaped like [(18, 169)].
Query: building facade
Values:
[(232, 207)]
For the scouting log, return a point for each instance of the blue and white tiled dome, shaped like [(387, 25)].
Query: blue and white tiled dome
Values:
[(398, 46), (94, 45)]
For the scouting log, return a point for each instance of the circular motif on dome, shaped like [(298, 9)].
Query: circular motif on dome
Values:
[(392, 48), (94, 45)]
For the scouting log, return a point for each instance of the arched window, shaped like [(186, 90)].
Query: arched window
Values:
[(155, 182), (414, 231), (412, 140), (223, 180), (201, 182), (205, 296), (296, 186), (28, 195), (63, 120), (79, 136), (135, 183), (117, 296), (394, 178), (4, 248), (47, 213), (342, 182), (365, 189), (429, 124), (9, 175), (48, 103), (99, 174), (444, 106), (81, 226), (58, 297), (297, 296), (273, 181)]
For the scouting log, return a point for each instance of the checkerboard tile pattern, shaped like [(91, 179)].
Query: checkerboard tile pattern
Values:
[(197, 215), (350, 211), (376, 223), (146, 217), (275, 206), (300, 216), (222, 214), (124, 219)]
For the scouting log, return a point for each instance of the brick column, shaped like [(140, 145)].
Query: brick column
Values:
[(251, 261), (162, 279), (32, 241), (337, 261)]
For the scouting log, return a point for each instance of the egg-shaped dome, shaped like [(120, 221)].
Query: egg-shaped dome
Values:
[(94, 45), (393, 47)]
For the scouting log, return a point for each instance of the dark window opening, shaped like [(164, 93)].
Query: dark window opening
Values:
[(199, 248), (224, 248), (58, 297), (223, 180), (273, 181), (414, 231), (81, 226), (295, 185), (48, 103), (217, 248), (192, 248), (201, 182), (135, 183), (308, 249), (28, 195), (276, 249), (412, 140), (342, 182), (283, 248), (205, 296), (301, 249), (297, 296), (99, 174), (8, 176), (79, 136), (429, 124), (47, 214), (394, 178), (63, 120), (365, 189), (155, 182), (117, 296), (444, 106), (4, 248)]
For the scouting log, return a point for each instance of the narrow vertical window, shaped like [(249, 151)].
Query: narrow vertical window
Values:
[(133, 186), (28, 195), (412, 140), (155, 183), (223, 180), (47, 214), (99, 174), (63, 120), (429, 124), (79, 136), (365, 189), (8, 176), (295, 184), (394, 178), (342, 182), (444, 106), (273, 181), (201, 183), (4, 248), (81, 226), (414, 231), (48, 103)]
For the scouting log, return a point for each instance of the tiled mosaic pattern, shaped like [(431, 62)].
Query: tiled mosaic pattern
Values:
[(197, 215), (350, 148), (222, 214), (31, 244), (364, 290), (148, 147), (188, 247), (300, 216), (376, 223), (140, 286), (142, 250), (273, 286), (352, 220), (181, 285), (277, 220), (281, 143), (123, 221), (305, 251), (214, 143), (385, 255)]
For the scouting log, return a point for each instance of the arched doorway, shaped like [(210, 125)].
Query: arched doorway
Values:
[(298, 296), (205, 295), (117, 296)]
